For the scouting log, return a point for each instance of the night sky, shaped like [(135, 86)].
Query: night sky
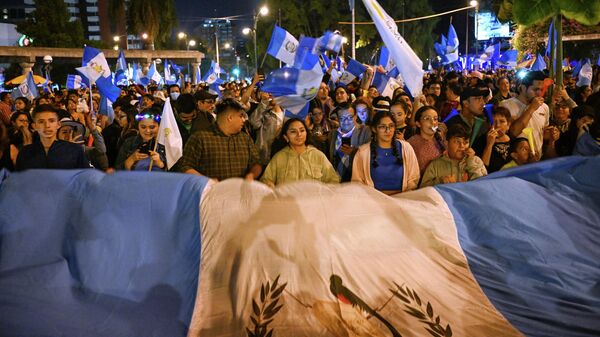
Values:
[(190, 13)]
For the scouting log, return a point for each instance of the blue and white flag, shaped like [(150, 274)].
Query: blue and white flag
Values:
[(198, 74), (27, 88), (77, 82), (105, 108), (385, 59), (97, 71), (539, 63), (176, 68), (452, 45), (354, 70), (330, 41), (121, 70), (509, 58), (152, 75), (551, 31), (522, 261), (212, 75), (294, 87), (585, 75), (385, 84), (306, 45), (394, 73), (283, 45), (440, 48), (409, 64), (169, 135), (169, 78)]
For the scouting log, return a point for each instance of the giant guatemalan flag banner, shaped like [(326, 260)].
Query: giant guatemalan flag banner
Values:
[(83, 253)]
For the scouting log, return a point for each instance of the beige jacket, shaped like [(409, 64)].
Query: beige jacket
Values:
[(361, 167)]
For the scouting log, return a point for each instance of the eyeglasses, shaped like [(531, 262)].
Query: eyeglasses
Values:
[(386, 128), (429, 119)]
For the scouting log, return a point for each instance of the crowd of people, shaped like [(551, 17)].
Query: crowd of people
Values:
[(463, 126)]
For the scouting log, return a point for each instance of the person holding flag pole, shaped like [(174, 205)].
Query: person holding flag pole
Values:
[(169, 137)]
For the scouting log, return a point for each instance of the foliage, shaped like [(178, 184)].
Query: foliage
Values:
[(50, 26), (529, 12), (313, 17), (157, 18)]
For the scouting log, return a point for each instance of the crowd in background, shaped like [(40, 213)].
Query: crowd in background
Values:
[(462, 126)]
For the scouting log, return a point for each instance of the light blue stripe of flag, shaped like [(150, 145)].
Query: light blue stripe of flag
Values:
[(539, 63), (283, 45), (294, 87), (121, 70), (330, 41), (75, 82), (96, 69)]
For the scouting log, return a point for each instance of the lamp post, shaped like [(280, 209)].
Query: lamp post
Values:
[(48, 65), (117, 39), (264, 10), (474, 4)]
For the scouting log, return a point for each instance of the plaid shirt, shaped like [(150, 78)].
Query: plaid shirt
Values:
[(216, 155)]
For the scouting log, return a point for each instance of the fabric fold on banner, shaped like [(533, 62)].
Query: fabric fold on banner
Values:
[(100, 255)]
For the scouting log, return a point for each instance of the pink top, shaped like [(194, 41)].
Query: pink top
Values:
[(426, 150)]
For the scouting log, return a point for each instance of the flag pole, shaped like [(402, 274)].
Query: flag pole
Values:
[(155, 146), (353, 33)]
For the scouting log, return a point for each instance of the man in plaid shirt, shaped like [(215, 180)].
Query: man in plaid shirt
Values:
[(223, 151)]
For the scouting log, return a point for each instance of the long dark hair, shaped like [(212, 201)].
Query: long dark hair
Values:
[(280, 143), (376, 119), (436, 135)]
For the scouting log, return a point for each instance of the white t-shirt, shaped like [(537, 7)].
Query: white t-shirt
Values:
[(539, 119)]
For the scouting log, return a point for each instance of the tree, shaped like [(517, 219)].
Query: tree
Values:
[(157, 18), (313, 17), (49, 25), (530, 12)]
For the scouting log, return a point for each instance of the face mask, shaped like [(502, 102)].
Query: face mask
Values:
[(174, 95)]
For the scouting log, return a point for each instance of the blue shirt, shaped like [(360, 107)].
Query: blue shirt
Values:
[(387, 176), (61, 155)]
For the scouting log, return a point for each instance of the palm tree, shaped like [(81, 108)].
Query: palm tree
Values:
[(153, 17)]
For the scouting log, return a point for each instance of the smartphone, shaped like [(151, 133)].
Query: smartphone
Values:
[(144, 148), (346, 141)]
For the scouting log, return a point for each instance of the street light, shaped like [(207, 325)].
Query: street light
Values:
[(474, 4), (181, 35), (145, 36), (264, 10), (192, 44), (117, 39), (227, 45)]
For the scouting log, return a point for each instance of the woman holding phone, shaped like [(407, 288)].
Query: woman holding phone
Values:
[(139, 152)]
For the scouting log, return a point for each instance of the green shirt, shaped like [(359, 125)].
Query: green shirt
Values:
[(464, 170), (287, 166), (510, 164)]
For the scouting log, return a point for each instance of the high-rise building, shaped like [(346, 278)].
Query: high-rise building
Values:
[(87, 11)]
